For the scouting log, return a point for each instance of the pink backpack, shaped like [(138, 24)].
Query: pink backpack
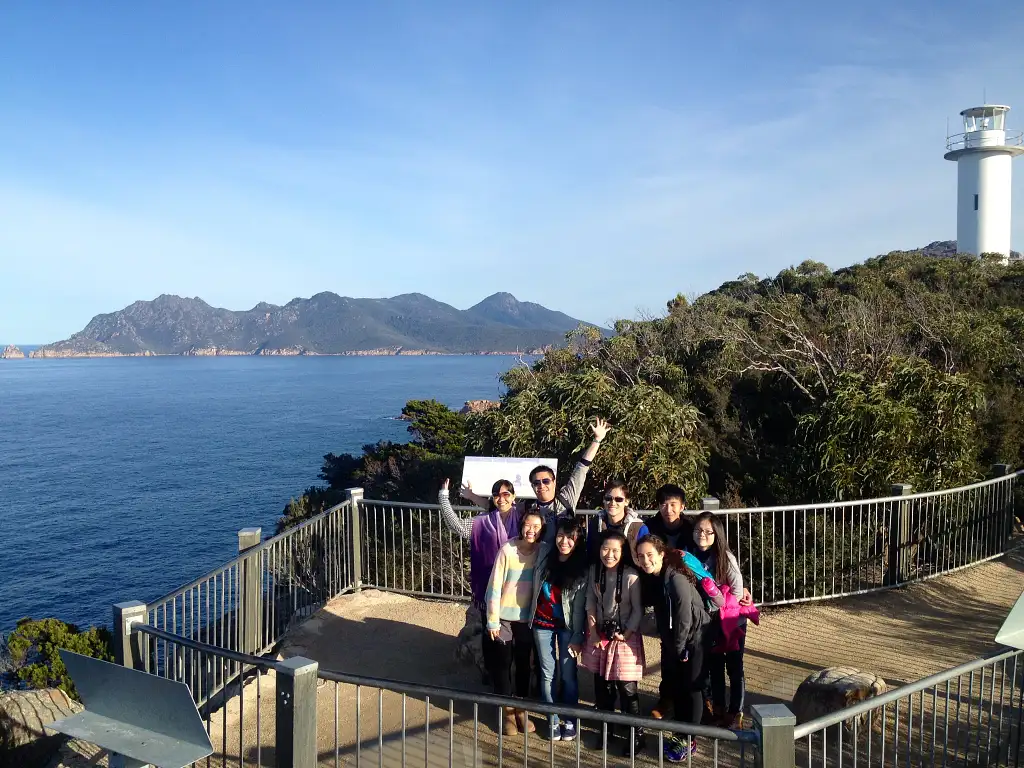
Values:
[(730, 615)]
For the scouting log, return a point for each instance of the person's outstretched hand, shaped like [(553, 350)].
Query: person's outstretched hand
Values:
[(466, 488), (445, 484), (600, 428)]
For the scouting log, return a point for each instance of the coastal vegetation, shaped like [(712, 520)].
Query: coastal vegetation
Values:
[(30, 654), (811, 385)]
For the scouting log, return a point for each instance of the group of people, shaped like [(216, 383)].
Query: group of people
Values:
[(553, 588)]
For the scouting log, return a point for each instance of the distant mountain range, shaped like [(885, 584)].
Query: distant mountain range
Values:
[(325, 324)]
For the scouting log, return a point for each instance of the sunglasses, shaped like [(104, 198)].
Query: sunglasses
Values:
[(503, 495), (543, 481), (616, 499)]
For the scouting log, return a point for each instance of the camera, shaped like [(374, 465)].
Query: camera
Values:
[(609, 627)]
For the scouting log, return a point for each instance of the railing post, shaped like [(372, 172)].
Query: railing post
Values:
[(899, 536), (355, 495), (775, 723), (1003, 531), (250, 588), (710, 503), (128, 646), (296, 713)]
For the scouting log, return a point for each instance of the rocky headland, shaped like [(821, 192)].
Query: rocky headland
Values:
[(11, 352), (325, 324)]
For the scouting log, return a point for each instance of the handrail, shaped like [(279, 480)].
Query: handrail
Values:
[(1011, 138), (778, 508), (863, 707), (266, 663), (584, 713), (237, 559)]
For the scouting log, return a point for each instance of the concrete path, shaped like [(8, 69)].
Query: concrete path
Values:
[(902, 634)]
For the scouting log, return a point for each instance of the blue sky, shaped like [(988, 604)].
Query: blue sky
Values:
[(590, 156)]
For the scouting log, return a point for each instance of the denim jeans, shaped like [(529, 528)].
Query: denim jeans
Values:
[(552, 654)]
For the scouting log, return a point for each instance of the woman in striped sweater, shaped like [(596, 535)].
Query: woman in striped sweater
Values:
[(509, 603)]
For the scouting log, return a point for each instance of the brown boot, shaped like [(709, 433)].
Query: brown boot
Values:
[(524, 721), (661, 709), (508, 726)]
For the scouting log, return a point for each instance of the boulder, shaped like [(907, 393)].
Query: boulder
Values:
[(830, 690), (24, 715), (479, 406), (469, 642)]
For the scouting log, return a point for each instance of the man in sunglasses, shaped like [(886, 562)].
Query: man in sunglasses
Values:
[(552, 501)]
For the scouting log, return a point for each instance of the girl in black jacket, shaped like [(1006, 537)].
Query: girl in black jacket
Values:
[(682, 621)]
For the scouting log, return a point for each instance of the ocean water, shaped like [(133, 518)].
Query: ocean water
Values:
[(125, 478)]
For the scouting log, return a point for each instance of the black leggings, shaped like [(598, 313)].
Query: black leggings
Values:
[(685, 682), (605, 692), (499, 659), (731, 662)]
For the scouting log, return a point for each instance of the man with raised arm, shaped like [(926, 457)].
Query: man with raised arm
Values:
[(551, 501)]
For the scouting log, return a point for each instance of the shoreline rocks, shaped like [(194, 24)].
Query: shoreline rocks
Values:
[(11, 352), (479, 406), (50, 353)]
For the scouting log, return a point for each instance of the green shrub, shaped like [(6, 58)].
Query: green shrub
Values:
[(33, 650)]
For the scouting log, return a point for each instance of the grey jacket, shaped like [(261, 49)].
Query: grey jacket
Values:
[(566, 499), (574, 598)]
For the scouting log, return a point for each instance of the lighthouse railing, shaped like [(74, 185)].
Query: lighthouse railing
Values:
[(979, 140)]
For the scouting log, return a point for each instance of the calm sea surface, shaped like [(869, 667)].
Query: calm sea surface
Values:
[(124, 478)]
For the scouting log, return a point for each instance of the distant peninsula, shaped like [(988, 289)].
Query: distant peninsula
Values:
[(324, 324)]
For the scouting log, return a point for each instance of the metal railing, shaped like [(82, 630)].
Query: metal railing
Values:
[(249, 603), (265, 710), (788, 554), (970, 141), (390, 722), (234, 692), (969, 715)]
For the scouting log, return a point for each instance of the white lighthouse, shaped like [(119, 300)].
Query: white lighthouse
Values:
[(983, 154)]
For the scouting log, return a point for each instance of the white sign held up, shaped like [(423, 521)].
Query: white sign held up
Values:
[(484, 471)]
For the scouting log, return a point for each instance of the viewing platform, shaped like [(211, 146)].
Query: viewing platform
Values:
[(902, 635), (335, 643)]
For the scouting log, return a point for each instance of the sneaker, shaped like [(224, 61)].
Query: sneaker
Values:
[(556, 731), (676, 749), (568, 730)]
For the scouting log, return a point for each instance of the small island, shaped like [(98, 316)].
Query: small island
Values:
[(11, 352)]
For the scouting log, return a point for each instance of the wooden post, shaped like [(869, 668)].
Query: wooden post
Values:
[(899, 536), (355, 495), (127, 645), (296, 713), (775, 723), (250, 587)]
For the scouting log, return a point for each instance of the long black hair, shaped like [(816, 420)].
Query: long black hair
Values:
[(720, 547), (564, 573)]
